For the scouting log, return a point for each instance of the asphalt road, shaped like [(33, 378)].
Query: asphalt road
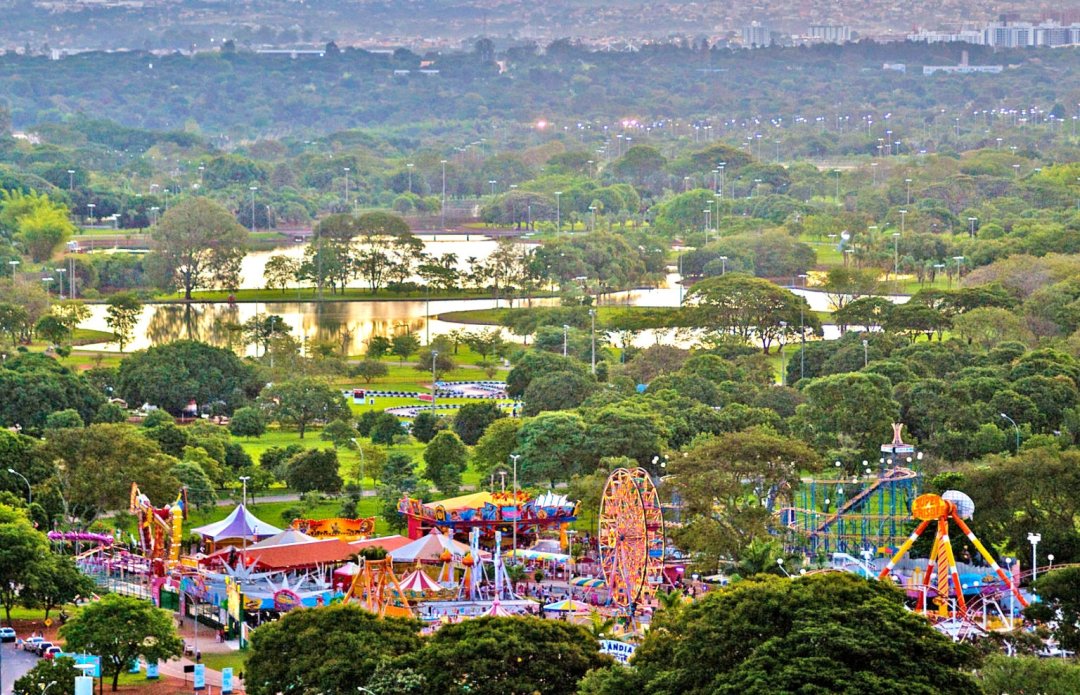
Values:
[(16, 664)]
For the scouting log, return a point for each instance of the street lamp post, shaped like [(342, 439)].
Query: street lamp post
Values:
[(243, 479), (1034, 539), (29, 490), (409, 167), (1015, 427), (959, 260), (971, 222), (514, 458), (903, 220), (346, 188), (565, 330), (253, 189), (61, 271), (908, 182), (723, 265), (865, 353), (896, 255), (434, 385), (558, 212), (592, 317), (442, 208)]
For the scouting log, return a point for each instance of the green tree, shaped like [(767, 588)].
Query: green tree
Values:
[(536, 363), (198, 243), (431, 361), (280, 271), (852, 410), (484, 343), (1029, 674), (557, 391), (751, 308), (122, 314), (14, 320), (1059, 594), (496, 656), (473, 419), (98, 464), (351, 646), (35, 385), (770, 635), (426, 425), (404, 345), (200, 489), (445, 459), (52, 330), (247, 422), (729, 483), (340, 433), (23, 555), (385, 428), (303, 401), (110, 413), (494, 447), (44, 227), (369, 370), (627, 429), (55, 582), (314, 469), (553, 447), (171, 375), (57, 676), (378, 346), (68, 417), (120, 629)]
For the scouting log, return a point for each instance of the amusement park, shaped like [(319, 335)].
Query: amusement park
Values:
[(517, 552)]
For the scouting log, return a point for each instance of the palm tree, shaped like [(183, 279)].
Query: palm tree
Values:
[(670, 600), (599, 624)]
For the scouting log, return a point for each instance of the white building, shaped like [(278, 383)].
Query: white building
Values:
[(756, 34), (830, 33)]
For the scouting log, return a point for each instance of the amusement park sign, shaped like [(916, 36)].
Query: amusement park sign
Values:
[(285, 600), (620, 651)]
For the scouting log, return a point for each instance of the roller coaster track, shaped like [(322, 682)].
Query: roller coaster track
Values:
[(891, 476)]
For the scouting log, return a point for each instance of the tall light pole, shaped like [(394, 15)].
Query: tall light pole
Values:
[(896, 255), (442, 208), (908, 182), (253, 189), (708, 215), (434, 385), (903, 220), (971, 229), (29, 490), (71, 179), (492, 182), (1015, 427), (1034, 539), (90, 207), (565, 330), (514, 458), (558, 212), (243, 479), (721, 167), (723, 265), (346, 188), (592, 317), (409, 168), (959, 260)]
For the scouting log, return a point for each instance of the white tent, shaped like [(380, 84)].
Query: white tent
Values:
[(286, 537), (430, 549)]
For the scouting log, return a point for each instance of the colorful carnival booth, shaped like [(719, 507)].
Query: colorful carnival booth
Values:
[(240, 528), (489, 512)]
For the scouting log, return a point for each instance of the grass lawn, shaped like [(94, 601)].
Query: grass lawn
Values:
[(216, 661)]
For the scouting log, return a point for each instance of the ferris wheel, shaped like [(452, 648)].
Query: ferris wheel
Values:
[(631, 537)]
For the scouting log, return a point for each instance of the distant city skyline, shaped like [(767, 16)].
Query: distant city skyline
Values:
[(437, 25)]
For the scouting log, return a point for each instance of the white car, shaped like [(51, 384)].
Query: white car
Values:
[(7, 634), (30, 644)]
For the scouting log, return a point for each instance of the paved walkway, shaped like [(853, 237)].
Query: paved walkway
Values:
[(175, 669)]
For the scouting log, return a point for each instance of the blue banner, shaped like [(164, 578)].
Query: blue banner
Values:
[(152, 671), (226, 680), (200, 677)]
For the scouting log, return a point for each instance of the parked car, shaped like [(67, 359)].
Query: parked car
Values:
[(52, 652), (41, 647), (30, 643), (7, 634)]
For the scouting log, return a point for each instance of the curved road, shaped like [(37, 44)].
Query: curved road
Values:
[(16, 663)]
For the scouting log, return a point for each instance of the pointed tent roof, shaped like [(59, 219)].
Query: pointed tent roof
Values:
[(496, 611), (568, 606), (418, 582), (239, 524), (286, 537), (387, 543), (430, 549)]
